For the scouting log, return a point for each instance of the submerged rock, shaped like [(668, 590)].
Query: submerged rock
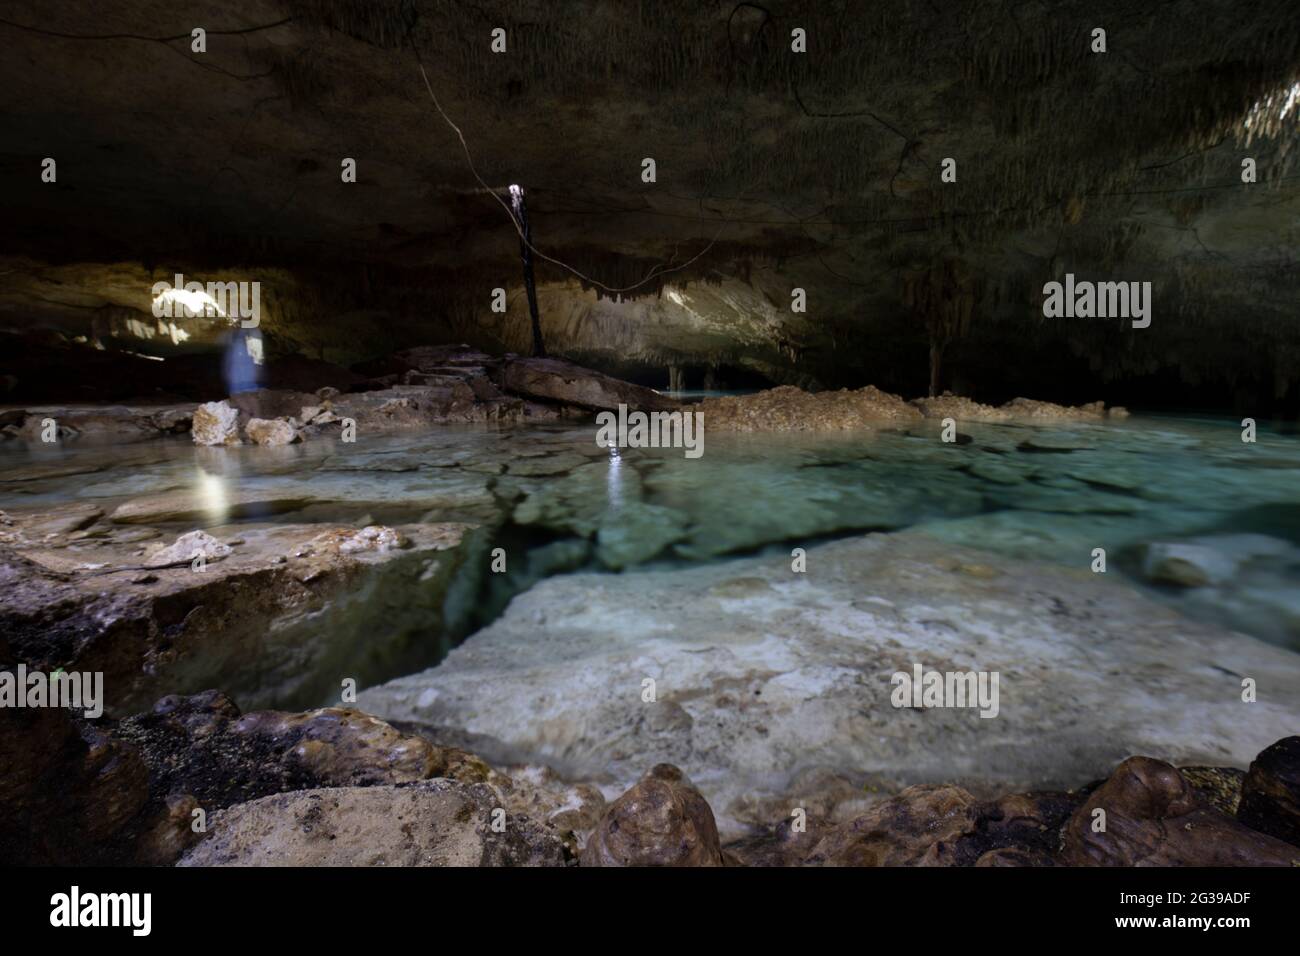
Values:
[(756, 684)]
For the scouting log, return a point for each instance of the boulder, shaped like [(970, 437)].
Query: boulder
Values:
[(661, 821), (1153, 817)]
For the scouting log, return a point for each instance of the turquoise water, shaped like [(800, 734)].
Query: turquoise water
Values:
[(558, 503)]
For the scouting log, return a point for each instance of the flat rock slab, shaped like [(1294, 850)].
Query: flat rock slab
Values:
[(763, 676)]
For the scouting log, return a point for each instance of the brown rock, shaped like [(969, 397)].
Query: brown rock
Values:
[(1153, 817), (661, 821), (1270, 794), (919, 827), (782, 845)]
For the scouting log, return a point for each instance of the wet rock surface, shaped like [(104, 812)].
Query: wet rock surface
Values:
[(760, 667), (195, 780)]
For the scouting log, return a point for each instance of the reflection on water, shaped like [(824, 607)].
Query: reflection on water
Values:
[(1038, 493)]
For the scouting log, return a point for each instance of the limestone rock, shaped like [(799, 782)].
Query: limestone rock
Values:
[(186, 548), (661, 821), (787, 408), (278, 621), (432, 823), (215, 423)]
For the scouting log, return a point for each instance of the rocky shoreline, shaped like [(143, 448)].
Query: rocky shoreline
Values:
[(194, 782), (441, 385)]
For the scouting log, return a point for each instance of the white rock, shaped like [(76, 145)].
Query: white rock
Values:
[(186, 547), (216, 423)]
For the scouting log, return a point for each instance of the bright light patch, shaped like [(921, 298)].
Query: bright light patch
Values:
[(1268, 117), (211, 492), (253, 345), (194, 303)]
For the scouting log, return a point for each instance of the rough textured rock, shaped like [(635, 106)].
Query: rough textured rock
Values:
[(271, 431), (1270, 794), (661, 821), (282, 619), (1022, 410), (919, 827), (1154, 818), (118, 424), (432, 823), (792, 409), (215, 423), (187, 548), (762, 674), (203, 746)]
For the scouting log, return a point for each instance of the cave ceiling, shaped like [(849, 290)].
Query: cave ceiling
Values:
[(775, 170)]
